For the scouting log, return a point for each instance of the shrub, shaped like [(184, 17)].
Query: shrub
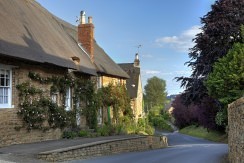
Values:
[(69, 134), (160, 123), (83, 133)]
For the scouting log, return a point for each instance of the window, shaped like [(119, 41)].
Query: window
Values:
[(99, 82), (54, 98), (99, 116), (5, 86), (68, 99)]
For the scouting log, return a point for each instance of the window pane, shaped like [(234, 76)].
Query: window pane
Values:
[(5, 90), (1, 95), (2, 73), (5, 101), (1, 99), (7, 82), (1, 92), (7, 78), (1, 81)]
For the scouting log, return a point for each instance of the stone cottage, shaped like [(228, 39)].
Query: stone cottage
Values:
[(37, 50), (134, 86)]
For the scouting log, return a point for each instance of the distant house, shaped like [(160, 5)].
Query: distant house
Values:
[(34, 40), (134, 86)]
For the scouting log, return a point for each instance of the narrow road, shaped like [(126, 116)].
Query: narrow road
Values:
[(183, 149)]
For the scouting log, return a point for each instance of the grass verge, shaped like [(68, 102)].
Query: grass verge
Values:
[(203, 133)]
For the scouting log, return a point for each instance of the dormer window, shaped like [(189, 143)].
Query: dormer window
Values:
[(76, 60)]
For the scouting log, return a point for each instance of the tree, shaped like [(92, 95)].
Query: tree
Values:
[(155, 92), (226, 82), (221, 28), (184, 115), (202, 114)]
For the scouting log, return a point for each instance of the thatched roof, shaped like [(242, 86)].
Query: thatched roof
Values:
[(132, 83), (30, 32), (105, 64)]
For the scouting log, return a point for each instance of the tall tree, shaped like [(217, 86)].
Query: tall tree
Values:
[(221, 28), (226, 82), (155, 92)]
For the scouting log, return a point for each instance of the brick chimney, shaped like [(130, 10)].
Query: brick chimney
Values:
[(86, 34), (136, 61)]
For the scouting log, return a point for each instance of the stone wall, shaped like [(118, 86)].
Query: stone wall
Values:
[(236, 131), (105, 148)]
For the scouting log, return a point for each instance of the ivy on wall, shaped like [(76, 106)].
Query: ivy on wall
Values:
[(39, 112), (117, 97), (37, 108)]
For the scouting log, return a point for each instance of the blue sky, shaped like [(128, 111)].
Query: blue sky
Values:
[(164, 28)]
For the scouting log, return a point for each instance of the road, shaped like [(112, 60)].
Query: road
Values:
[(182, 148)]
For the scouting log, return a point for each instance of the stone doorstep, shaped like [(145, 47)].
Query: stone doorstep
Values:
[(87, 145)]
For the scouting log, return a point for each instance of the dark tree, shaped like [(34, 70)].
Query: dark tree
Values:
[(221, 28), (184, 115), (202, 114), (206, 113)]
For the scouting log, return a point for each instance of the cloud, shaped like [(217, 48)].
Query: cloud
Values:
[(147, 56), (155, 72), (182, 42), (182, 72), (151, 72)]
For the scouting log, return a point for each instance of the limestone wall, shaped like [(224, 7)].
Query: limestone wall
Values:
[(236, 131), (105, 148)]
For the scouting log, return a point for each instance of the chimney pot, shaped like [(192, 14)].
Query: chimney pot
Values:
[(90, 20), (137, 61), (82, 17)]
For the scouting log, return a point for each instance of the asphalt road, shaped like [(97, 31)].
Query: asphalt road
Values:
[(183, 149)]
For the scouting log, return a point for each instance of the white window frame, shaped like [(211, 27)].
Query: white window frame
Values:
[(54, 98), (9, 104), (68, 99), (99, 116), (99, 82)]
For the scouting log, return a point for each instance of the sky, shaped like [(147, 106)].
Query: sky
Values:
[(163, 28)]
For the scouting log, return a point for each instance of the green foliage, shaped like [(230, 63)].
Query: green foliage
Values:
[(226, 82), (155, 92), (117, 97), (141, 127), (160, 123), (105, 130), (221, 118), (201, 132), (83, 133), (37, 108), (109, 130), (69, 134)]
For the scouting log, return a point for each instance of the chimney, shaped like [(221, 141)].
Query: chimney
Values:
[(136, 61), (86, 34)]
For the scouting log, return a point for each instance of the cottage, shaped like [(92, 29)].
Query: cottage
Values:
[(32, 42), (40, 61), (134, 86)]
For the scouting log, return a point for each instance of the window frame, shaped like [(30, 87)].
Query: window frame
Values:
[(68, 99), (9, 104)]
